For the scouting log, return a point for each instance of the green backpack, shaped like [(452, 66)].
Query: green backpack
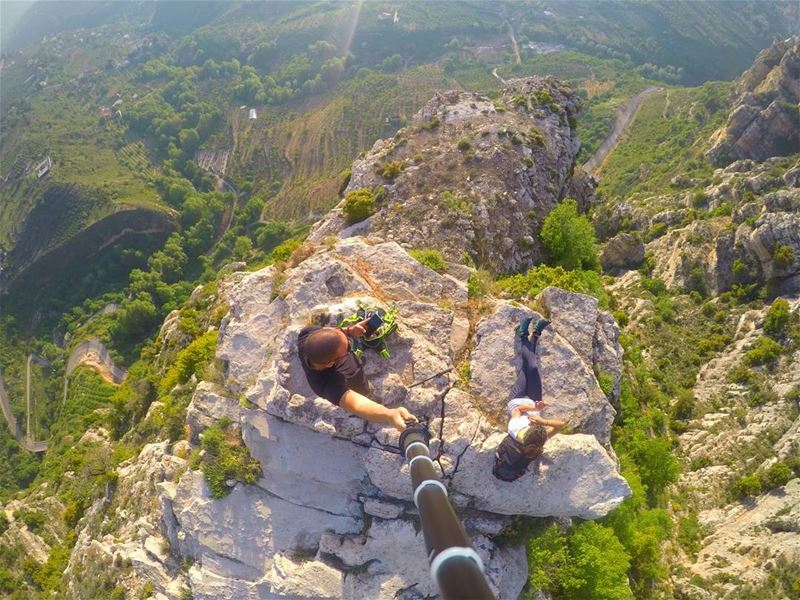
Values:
[(377, 341)]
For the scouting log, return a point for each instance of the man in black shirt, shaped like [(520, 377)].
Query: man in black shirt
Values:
[(336, 374)]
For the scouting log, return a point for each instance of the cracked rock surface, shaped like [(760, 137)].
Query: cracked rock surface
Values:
[(332, 515)]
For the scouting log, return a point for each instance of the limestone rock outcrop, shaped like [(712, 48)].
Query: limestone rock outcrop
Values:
[(332, 515), (743, 540), (474, 177), (765, 120), (750, 235)]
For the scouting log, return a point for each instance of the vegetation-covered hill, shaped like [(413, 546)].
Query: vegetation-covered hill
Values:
[(146, 114)]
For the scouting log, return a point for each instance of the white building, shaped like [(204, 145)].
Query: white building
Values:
[(44, 167)]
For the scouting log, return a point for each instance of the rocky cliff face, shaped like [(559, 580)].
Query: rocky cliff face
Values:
[(742, 540), (478, 176), (765, 120), (332, 515), (741, 229)]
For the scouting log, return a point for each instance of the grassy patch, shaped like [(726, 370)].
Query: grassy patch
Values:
[(663, 141), (432, 259), (529, 284), (225, 458)]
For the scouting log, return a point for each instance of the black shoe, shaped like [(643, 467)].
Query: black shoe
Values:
[(540, 326)]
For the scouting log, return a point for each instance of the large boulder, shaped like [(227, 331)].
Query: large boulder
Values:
[(566, 352), (478, 177), (623, 251)]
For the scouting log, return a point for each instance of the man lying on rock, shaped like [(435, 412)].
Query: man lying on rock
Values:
[(527, 430), (335, 373)]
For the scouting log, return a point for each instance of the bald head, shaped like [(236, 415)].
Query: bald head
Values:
[(325, 346)]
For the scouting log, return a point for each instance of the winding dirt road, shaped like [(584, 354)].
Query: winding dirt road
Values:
[(91, 353), (16, 430), (624, 118)]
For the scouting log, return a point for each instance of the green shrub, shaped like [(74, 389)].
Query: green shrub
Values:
[(147, 591), (49, 577), (569, 237), (536, 137), (358, 205), (547, 556), (749, 485), (33, 519), (783, 256), (479, 284), (8, 582), (391, 170), (684, 408), (665, 309), (777, 318), (654, 285), (765, 350), (454, 202), (226, 457), (621, 317), (776, 476), (189, 361), (739, 267), (699, 199), (589, 563), (598, 565), (723, 210), (656, 230), (690, 534), (606, 382), (432, 259), (463, 144)]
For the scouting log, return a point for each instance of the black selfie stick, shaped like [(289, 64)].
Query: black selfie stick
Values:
[(455, 566)]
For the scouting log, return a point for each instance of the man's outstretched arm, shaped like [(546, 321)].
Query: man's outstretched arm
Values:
[(373, 412)]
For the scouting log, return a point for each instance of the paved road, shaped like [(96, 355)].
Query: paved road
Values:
[(92, 353), (624, 118), (29, 445)]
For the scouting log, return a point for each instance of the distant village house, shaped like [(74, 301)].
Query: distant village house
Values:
[(44, 167)]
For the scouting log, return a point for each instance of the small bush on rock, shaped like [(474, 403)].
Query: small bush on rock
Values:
[(34, 520), (776, 476), (358, 205), (479, 284), (777, 318), (226, 457), (542, 276), (765, 350), (783, 256), (392, 169), (432, 259)]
